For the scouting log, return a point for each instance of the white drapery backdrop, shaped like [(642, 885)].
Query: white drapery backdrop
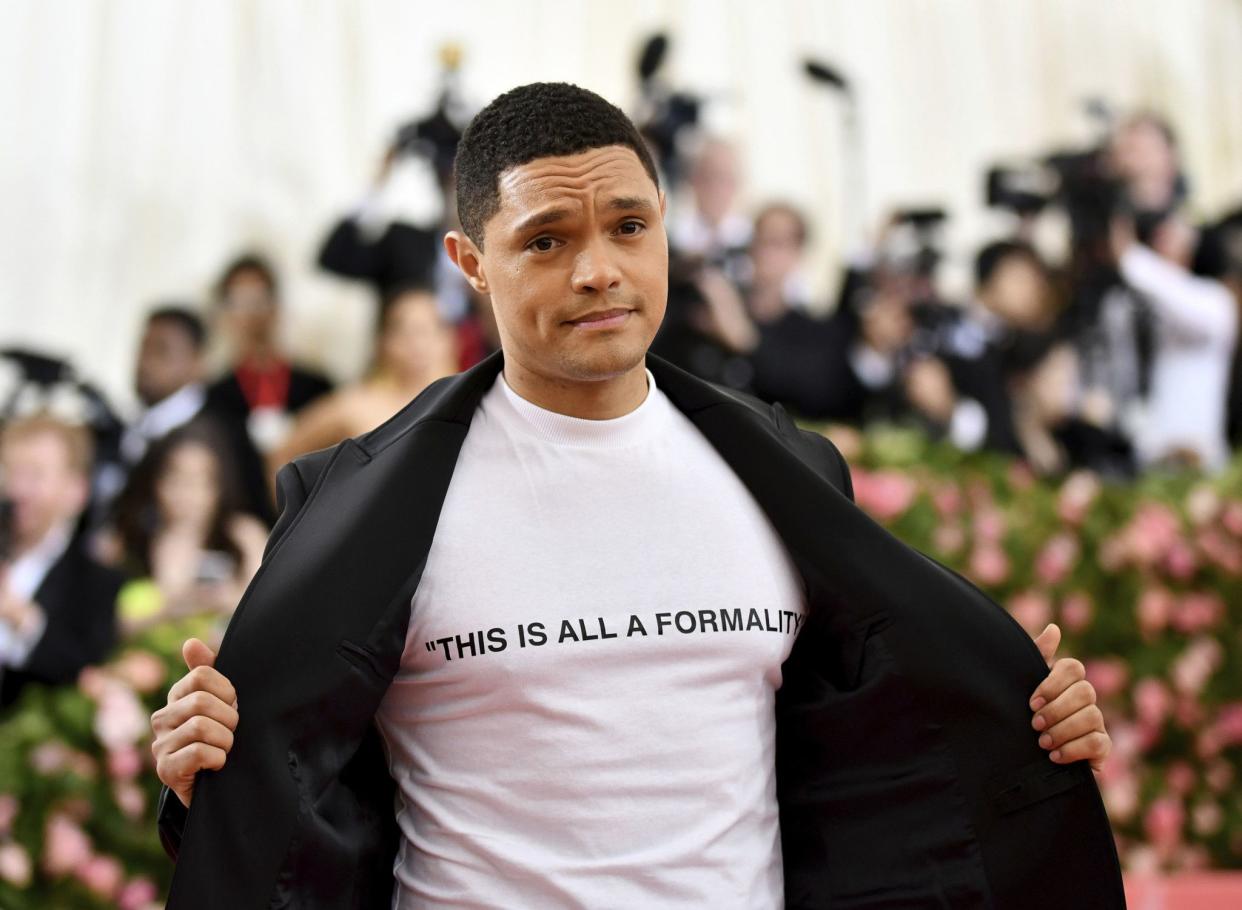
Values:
[(146, 142)]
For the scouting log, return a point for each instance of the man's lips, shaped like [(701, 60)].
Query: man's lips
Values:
[(602, 318)]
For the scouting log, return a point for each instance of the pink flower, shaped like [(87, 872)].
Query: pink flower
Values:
[(988, 564), (142, 670), (120, 719), (1077, 494), (1197, 612), (129, 798), (124, 762), (947, 500), (1180, 778), (1229, 724), (1108, 675), (1219, 549), (1180, 561), (1155, 605), (50, 757), (65, 846), (1219, 776), (1188, 712), (9, 807), (1231, 518), (1021, 477), (1056, 559), (989, 525), (1112, 553), (92, 681), (1152, 701), (1206, 818), (102, 875), (1195, 666), (1151, 533), (1032, 610), (1077, 611), (884, 494), (137, 894), (1163, 822), (15, 865), (948, 538)]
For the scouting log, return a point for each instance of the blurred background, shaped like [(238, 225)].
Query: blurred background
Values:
[(993, 250)]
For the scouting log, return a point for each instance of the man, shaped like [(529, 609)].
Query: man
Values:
[(57, 605), (168, 378), (263, 389), (558, 602)]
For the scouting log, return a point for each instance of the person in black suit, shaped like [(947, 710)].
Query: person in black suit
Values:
[(57, 605), (263, 388), (899, 739)]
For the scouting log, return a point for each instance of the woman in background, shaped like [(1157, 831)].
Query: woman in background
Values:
[(415, 347), (178, 533)]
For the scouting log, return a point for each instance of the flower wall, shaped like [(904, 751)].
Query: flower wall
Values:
[(1145, 581)]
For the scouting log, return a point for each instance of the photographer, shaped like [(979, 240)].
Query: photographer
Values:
[(1196, 325)]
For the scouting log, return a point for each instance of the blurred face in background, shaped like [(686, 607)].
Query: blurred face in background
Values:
[(415, 342), (1144, 157), (168, 360), (777, 245), (714, 180), (576, 236), (1019, 292), (248, 310), (187, 490), (43, 483)]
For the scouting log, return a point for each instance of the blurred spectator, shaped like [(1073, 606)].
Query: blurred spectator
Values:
[(263, 388), (169, 383), (178, 524), (414, 347), (1196, 327), (1143, 154), (57, 605), (712, 231)]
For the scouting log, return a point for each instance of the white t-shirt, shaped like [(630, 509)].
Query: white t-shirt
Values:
[(584, 711)]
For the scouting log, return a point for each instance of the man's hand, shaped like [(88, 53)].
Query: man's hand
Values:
[(1066, 715), (194, 731)]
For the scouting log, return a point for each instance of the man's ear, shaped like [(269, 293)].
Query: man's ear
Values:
[(466, 256)]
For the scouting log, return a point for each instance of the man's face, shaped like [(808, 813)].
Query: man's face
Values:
[(776, 247), (167, 360), (42, 484), (576, 237)]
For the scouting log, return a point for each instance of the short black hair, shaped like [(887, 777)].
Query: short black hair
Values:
[(246, 262), (992, 255), (183, 318), (539, 120)]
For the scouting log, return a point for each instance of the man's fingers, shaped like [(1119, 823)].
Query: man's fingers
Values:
[(196, 704), (1065, 672), (202, 730), (197, 654), (1048, 641), (1080, 723), (1094, 747), (1076, 697), (203, 679), (177, 769)]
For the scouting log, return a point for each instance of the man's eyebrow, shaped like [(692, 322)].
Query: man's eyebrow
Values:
[(631, 204), (539, 219)]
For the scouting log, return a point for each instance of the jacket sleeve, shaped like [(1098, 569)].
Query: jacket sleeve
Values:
[(291, 492)]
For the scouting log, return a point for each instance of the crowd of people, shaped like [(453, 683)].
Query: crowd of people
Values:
[(1120, 356)]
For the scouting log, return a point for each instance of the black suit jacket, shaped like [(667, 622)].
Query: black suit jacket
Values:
[(79, 598), (908, 774)]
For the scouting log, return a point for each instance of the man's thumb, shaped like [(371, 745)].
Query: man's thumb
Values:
[(1048, 641), (197, 654)]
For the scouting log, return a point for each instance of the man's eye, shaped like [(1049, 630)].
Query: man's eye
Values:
[(637, 225), (542, 244)]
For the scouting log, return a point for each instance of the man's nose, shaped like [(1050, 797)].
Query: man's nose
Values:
[(595, 269)]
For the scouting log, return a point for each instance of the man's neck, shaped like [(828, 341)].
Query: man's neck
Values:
[(601, 399)]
